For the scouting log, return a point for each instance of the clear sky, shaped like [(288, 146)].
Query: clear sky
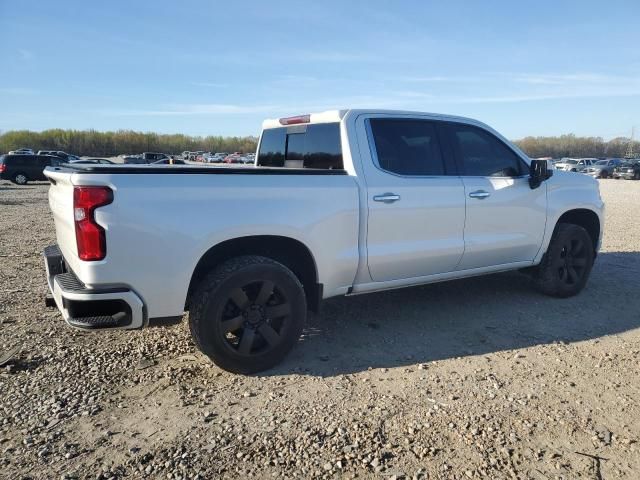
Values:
[(214, 67)]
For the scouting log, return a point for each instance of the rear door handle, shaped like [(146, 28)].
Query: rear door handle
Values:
[(386, 198), (481, 194)]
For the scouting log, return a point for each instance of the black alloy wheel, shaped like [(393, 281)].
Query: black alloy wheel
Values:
[(572, 261), (248, 313), (254, 317), (566, 265)]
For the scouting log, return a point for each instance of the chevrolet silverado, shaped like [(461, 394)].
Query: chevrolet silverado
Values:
[(338, 203)]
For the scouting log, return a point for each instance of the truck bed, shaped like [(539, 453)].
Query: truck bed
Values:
[(160, 225)]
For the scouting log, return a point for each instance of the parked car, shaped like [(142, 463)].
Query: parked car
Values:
[(146, 157), (22, 168), (628, 170), (419, 198), (67, 157), (21, 151), (574, 164), (602, 168), (193, 156), (168, 161), (185, 155), (134, 159), (217, 157), (92, 161)]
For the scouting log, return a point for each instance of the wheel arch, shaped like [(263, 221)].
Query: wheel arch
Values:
[(587, 219), (292, 253)]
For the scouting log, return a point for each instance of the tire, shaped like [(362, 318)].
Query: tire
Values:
[(247, 314), (566, 266), (604, 174), (20, 178), (636, 176)]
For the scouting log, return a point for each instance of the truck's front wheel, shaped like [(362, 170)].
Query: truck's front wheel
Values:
[(247, 314), (567, 264)]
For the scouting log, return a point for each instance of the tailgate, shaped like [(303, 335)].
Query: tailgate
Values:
[(61, 204)]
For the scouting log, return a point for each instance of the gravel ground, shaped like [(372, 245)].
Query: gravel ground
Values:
[(479, 378)]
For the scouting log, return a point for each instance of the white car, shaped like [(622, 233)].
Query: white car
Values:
[(575, 164), (21, 151), (376, 200)]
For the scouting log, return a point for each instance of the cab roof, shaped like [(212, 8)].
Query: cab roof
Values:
[(330, 116)]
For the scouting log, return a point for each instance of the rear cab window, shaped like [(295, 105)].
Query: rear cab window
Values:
[(315, 145)]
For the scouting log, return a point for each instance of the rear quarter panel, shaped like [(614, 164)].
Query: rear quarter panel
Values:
[(159, 226)]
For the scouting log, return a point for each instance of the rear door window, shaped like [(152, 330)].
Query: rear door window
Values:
[(302, 146), (407, 146)]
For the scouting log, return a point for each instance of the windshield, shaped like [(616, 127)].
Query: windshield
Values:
[(602, 162)]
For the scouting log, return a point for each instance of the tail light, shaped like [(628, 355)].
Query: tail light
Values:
[(3, 167), (295, 120), (90, 237)]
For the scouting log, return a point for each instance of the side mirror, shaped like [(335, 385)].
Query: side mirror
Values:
[(539, 171)]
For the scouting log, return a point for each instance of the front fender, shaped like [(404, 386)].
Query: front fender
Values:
[(568, 191)]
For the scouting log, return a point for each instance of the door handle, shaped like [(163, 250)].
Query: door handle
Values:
[(480, 194), (386, 198)]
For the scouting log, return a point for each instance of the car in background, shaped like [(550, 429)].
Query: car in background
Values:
[(233, 158), (193, 156), (21, 151), (628, 170), (246, 160), (185, 155), (574, 164), (146, 157), (67, 157), (134, 160), (89, 161), (21, 168), (602, 168), (215, 157), (169, 161)]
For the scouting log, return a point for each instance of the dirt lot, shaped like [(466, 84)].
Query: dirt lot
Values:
[(481, 378)]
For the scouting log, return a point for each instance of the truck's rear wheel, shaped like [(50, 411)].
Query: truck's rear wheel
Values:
[(247, 314), (566, 266)]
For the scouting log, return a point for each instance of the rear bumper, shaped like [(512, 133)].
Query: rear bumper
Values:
[(91, 308)]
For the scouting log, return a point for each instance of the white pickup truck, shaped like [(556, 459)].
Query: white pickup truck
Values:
[(339, 203)]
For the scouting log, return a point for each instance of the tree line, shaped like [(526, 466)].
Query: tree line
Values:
[(108, 144), (576, 147)]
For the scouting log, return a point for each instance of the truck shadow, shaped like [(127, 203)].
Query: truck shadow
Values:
[(466, 317)]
